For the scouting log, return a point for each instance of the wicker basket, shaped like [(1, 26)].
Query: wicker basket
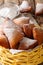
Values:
[(33, 57)]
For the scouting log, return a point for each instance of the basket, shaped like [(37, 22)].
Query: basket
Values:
[(34, 57)]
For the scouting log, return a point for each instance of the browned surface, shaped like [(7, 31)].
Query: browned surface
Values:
[(27, 43), (14, 33), (4, 41), (26, 10), (14, 36), (28, 28), (31, 2), (21, 21), (38, 34)]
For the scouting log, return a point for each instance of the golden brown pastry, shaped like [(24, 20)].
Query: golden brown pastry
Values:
[(27, 43), (4, 41), (25, 7), (21, 21), (26, 10), (12, 31), (28, 30), (30, 3), (38, 34), (39, 8), (14, 36)]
